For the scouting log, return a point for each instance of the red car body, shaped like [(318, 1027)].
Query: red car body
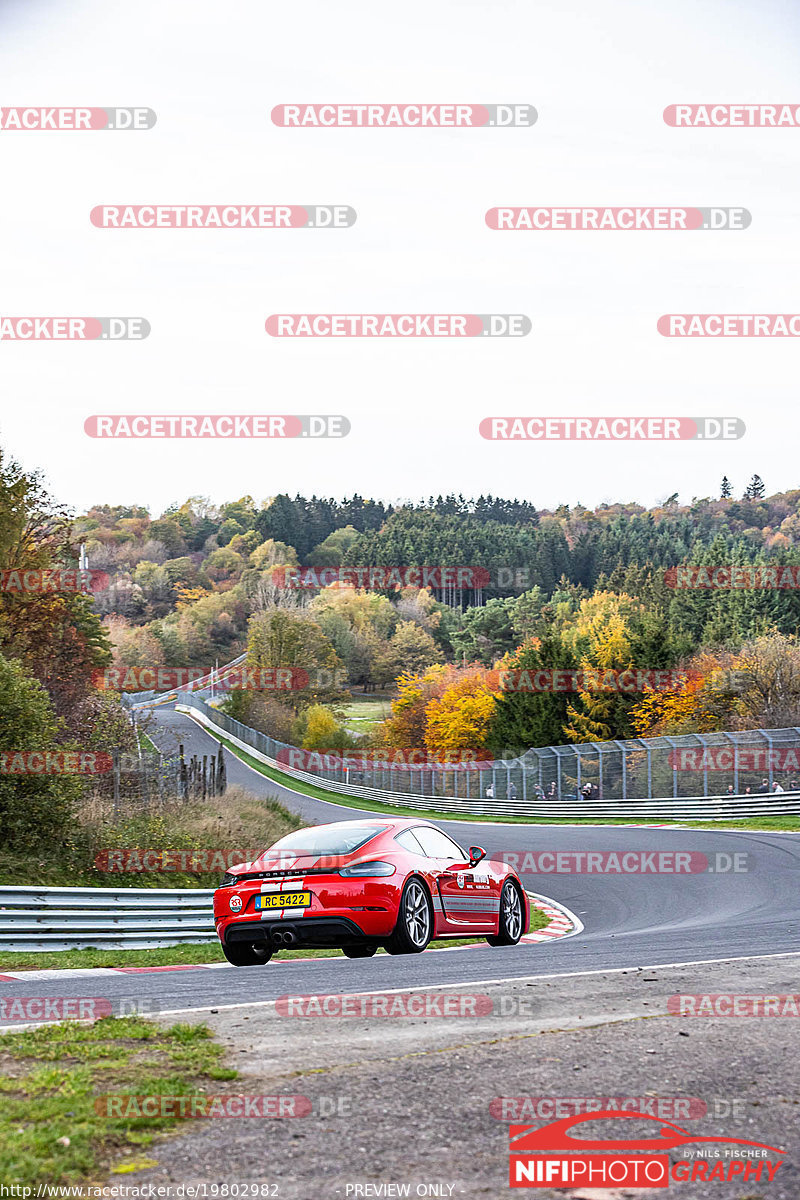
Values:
[(296, 895)]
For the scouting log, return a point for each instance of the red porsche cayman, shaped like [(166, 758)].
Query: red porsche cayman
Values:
[(358, 885)]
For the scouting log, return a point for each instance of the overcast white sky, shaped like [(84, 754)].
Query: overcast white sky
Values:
[(599, 75)]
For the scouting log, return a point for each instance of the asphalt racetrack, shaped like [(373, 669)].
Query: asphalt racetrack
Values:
[(413, 1102), (749, 907)]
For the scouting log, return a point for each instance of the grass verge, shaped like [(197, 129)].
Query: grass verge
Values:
[(364, 715), (317, 793), (765, 823), (50, 1078), (185, 955)]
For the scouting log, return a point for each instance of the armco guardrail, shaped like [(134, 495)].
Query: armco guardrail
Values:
[(75, 918), (666, 808), (745, 762), (145, 701)]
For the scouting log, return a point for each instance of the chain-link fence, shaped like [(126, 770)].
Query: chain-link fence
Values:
[(692, 765)]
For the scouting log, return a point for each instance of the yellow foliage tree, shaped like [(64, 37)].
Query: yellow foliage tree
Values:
[(601, 638), (322, 730), (459, 719)]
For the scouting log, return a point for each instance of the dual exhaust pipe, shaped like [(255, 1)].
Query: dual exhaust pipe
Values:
[(284, 937)]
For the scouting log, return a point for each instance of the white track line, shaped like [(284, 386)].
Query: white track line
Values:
[(441, 987), (438, 987)]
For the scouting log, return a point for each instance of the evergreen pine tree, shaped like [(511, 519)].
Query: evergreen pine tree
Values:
[(755, 489)]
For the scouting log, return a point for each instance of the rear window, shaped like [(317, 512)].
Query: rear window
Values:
[(322, 840)]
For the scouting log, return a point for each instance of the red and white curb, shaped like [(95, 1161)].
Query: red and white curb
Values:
[(563, 923)]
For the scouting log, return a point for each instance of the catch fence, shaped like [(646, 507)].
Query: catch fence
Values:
[(644, 777)]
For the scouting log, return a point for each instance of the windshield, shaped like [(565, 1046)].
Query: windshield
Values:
[(341, 839)]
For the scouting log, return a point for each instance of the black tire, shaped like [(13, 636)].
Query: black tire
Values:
[(512, 912), (414, 927), (358, 951), (247, 954)]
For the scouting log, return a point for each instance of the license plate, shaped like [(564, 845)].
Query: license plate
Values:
[(283, 900)]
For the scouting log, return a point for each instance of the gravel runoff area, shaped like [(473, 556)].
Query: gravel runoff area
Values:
[(407, 1100)]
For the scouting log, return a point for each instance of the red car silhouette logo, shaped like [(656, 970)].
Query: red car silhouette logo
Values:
[(556, 1136)]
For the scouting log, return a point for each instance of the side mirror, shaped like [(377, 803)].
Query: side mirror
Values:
[(476, 853)]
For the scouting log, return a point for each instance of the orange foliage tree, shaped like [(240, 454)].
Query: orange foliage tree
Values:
[(460, 718), (405, 729)]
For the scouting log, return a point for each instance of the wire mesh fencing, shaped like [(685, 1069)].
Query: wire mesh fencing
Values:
[(749, 762)]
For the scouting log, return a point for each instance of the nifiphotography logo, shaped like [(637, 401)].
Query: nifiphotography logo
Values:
[(612, 1163)]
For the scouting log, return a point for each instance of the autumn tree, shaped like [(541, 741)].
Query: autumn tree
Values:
[(611, 633), (413, 647), (406, 727), (35, 810), (768, 669), (705, 701), (318, 729), (56, 635), (460, 718), (283, 638)]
